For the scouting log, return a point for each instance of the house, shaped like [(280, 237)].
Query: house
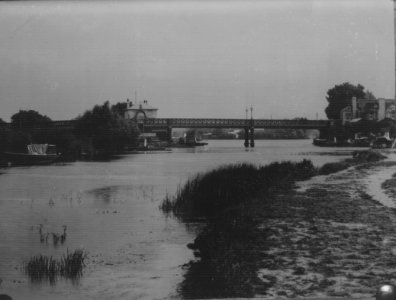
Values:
[(369, 109), (140, 111)]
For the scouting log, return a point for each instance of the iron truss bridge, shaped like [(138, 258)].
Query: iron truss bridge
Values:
[(236, 123), (216, 123)]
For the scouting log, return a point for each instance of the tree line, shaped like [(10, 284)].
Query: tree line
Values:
[(99, 131)]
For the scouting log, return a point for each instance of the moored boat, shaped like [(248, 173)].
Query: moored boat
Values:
[(37, 154), (384, 141), (324, 143)]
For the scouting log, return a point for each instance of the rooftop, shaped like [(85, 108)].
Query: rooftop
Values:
[(140, 105)]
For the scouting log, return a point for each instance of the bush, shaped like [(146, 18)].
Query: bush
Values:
[(334, 167), (368, 156)]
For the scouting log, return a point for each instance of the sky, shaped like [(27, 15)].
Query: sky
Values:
[(192, 59)]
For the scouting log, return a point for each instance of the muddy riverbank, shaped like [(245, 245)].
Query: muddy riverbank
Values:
[(330, 236), (335, 239)]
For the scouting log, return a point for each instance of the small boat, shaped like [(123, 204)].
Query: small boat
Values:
[(383, 142), (37, 154), (361, 142), (187, 143), (324, 142)]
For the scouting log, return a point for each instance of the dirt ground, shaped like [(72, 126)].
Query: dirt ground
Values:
[(333, 236)]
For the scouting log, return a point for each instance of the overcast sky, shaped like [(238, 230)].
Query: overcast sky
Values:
[(192, 58)]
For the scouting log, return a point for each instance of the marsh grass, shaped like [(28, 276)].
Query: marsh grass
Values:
[(209, 194), (358, 157), (70, 265)]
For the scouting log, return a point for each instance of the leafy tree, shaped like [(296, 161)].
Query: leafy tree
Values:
[(340, 96), (25, 119), (370, 95), (105, 130), (119, 108)]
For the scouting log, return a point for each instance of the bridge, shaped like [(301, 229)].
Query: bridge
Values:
[(165, 125), (235, 123), (219, 123)]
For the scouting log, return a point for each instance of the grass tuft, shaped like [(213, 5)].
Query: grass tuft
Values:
[(42, 267)]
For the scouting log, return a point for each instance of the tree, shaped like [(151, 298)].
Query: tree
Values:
[(340, 96), (25, 119), (370, 95), (119, 108), (105, 130)]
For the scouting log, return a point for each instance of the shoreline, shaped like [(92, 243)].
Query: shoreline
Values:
[(340, 239), (330, 238)]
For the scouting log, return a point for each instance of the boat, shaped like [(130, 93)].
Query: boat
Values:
[(357, 142), (384, 142), (325, 142), (362, 142), (188, 143), (147, 142), (37, 154)]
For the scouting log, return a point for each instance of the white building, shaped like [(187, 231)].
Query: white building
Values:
[(374, 109), (140, 111)]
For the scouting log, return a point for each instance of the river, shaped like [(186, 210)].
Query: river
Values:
[(111, 210)]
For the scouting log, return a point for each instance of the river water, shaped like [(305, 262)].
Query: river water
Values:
[(111, 210)]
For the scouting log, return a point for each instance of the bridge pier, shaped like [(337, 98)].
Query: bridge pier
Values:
[(246, 144), (249, 137), (169, 134), (252, 136)]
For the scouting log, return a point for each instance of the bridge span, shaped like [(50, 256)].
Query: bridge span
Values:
[(165, 125), (236, 123), (213, 123)]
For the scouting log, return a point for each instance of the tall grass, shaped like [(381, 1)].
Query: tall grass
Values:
[(42, 267), (207, 194)]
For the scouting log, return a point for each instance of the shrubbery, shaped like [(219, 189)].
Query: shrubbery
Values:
[(105, 130)]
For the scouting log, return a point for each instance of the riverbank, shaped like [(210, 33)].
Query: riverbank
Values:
[(329, 238)]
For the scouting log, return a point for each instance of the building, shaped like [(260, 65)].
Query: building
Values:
[(373, 109), (140, 111)]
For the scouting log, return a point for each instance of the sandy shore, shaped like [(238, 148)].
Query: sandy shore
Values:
[(334, 236)]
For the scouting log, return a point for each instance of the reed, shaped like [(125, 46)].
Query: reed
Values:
[(72, 264), (232, 185), (42, 267)]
